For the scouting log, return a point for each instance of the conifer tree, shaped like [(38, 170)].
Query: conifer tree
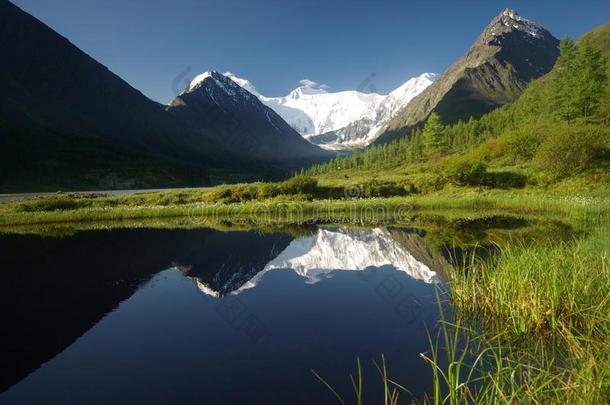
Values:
[(433, 135), (591, 79), (563, 87)]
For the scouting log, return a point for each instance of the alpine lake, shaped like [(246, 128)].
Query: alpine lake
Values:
[(228, 313)]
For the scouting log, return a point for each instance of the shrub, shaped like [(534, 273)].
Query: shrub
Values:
[(268, 190), (423, 183), (505, 180), (244, 192), (464, 171), (51, 204), (572, 150), (513, 146), (220, 194), (375, 188), (299, 185)]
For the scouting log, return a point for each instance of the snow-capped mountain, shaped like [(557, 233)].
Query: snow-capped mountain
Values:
[(215, 105), (337, 249), (341, 120)]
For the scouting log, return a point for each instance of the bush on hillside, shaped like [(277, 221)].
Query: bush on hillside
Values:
[(505, 180), (51, 204), (512, 146), (464, 171), (572, 150), (423, 183), (299, 185), (268, 190), (376, 188)]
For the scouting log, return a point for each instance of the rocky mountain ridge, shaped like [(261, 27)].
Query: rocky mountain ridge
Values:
[(510, 52)]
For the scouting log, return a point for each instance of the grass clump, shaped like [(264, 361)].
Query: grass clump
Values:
[(530, 326), (295, 186), (51, 204), (543, 322), (556, 289)]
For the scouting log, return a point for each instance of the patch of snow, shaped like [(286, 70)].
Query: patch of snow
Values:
[(510, 17), (199, 79), (204, 288), (245, 84)]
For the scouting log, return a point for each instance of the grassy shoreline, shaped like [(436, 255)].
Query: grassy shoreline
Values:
[(188, 203), (545, 314)]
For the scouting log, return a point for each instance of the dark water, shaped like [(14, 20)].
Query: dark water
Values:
[(209, 317)]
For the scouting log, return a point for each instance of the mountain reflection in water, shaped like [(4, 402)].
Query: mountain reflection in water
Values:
[(334, 249), (95, 317)]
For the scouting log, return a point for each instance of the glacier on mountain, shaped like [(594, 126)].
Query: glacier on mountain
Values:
[(340, 120)]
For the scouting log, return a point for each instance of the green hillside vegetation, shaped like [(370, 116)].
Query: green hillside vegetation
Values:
[(555, 137)]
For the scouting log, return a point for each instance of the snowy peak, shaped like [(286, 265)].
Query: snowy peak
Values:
[(211, 78), (246, 84), (339, 120), (317, 257), (349, 249), (214, 104), (198, 81), (413, 86), (307, 88)]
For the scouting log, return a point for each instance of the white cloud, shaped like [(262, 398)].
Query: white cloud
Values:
[(312, 84), (308, 83)]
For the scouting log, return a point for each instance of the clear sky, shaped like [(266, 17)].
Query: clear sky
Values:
[(154, 45)]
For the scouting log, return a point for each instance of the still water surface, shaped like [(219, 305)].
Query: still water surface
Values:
[(203, 316)]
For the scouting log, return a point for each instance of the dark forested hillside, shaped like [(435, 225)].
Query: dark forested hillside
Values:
[(67, 122)]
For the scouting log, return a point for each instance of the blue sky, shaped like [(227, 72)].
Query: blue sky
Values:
[(155, 44)]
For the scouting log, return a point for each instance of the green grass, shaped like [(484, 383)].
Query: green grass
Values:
[(530, 326), (193, 203), (552, 302)]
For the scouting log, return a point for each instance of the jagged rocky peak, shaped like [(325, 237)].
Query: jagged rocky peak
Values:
[(510, 20), (510, 52)]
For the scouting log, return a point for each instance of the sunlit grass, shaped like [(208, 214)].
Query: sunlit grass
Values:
[(531, 326), (190, 203)]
